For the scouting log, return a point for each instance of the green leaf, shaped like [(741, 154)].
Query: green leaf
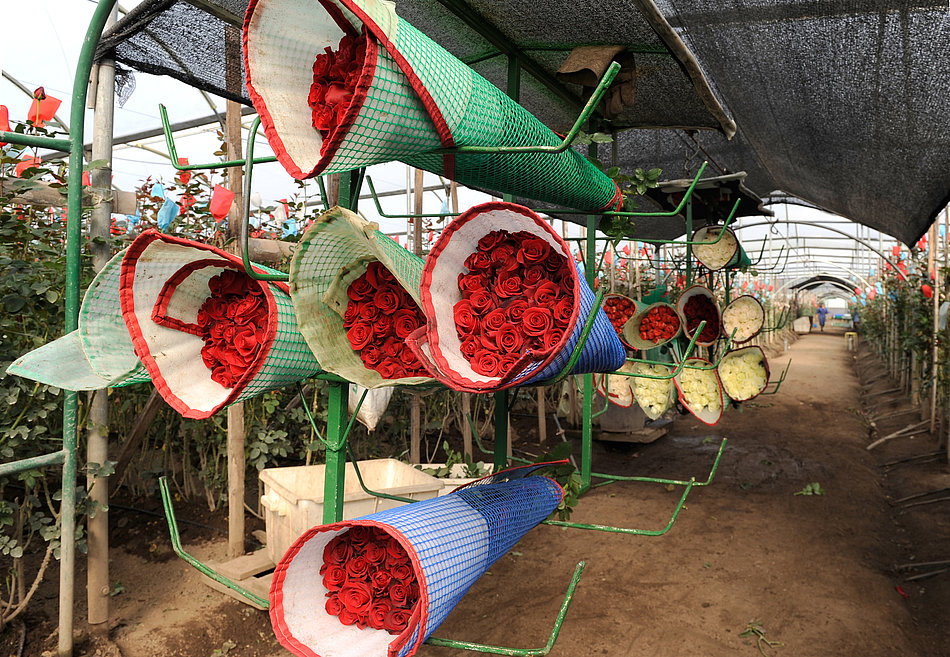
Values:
[(52, 296), (601, 138), (96, 164), (13, 303)]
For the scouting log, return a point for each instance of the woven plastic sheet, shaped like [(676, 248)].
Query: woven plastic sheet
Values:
[(98, 354), (413, 97), (331, 254), (170, 275), (451, 540), (439, 345)]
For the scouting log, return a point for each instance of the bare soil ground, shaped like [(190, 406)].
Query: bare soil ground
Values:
[(817, 575)]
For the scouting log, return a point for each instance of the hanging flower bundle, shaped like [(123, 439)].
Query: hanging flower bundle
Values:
[(619, 309), (379, 317), (233, 325), (660, 324), (518, 295), (369, 579)]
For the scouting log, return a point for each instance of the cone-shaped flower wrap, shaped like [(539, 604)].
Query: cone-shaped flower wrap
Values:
[(379, 585), (99, 353), (341, 84), (356, 293), (209, 334), (505, 305)]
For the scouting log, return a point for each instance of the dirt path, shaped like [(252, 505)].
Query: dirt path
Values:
[(815, 573)]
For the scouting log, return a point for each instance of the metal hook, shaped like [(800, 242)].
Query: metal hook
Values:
[(173, 152)]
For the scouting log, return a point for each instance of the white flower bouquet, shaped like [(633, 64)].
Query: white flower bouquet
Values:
[(745, 316), (655, 396), (744, 373), (719, 254), (616, 387), (700, 390)]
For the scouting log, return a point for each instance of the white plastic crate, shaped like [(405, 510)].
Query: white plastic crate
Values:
[(293, 496), (455, 478)]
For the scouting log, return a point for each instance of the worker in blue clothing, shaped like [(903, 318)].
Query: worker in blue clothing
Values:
[(822, 314)]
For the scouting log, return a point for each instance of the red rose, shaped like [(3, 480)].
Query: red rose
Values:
[(402, 572), (533, 251), (337, 94), (333, 605), (216, 331), (490, 240), (368, 311), (509, 339), (392, 348), (554, 260), (505, 364), (563, 310), (405, 322), (247, 342), (551, 338), (324, 119), (485, 363), (395, 553), (389, 369), (534, 275), (338, 550), (357, 568), (471, 282), (478, 262), (318, 92), (398, 620), (351, 315), (383, 325), (546, 294), (347, 617), (380, 580), (383, 275), (214, 308), (359, 289), (503, 257), (356, 596), (567, 286), (508, 286), (378, 613), (536, 321), (335, 578), (398, 593), (515, 310), (494, 321), (465, 320), (469, 347), (360, 335), (360, 535), (408, 359), (371, 355), (322, 64), (480, 301), (229, 281), (374, 552), (386, 300)]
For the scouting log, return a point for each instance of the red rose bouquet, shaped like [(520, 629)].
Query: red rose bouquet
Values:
[(619, 309), (369, 580), (518, 295), (335, 74), (233, 322), (660, 324), (379, 316), (699, 308)]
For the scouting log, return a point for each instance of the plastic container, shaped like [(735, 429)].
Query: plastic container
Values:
[(293, 497)]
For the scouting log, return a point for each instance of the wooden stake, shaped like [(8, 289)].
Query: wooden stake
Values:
[(415, 428)]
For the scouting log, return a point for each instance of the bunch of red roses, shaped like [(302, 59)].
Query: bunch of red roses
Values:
[(335, 74), (233, 320), (379, 316), (369, 580), (698, 308), (659, 324), (518, 294), (619, 309)]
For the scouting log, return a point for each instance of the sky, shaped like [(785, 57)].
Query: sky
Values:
[(45, 51)]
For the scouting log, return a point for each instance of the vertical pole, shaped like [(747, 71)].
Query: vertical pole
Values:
[(77, 109), (934, 362), (334, 477), (587, 424), (542, 418), (97, 448), (415, 420), (236, 432), (689, 237)]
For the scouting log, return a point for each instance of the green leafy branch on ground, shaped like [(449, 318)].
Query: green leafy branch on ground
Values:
[(813, 488), (754, 628)]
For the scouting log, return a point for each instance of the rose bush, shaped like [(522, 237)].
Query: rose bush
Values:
[(369, 580)]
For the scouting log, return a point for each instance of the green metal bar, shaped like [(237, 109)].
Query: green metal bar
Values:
[(323, 191), (67, 507), (13, 467), (778, 384), (379, 207), (568, 140), (173, 152), (645, 240), (674, 482), (310, 418), (679, 365), (335, 454), (246, 212), (359, 477), (37, 141), (201, 567), (606, 400), (483, 449), (500, 452), (579, 347), (359, 405), (689, 236), (623, 530), (587, 407), (518, 652)]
